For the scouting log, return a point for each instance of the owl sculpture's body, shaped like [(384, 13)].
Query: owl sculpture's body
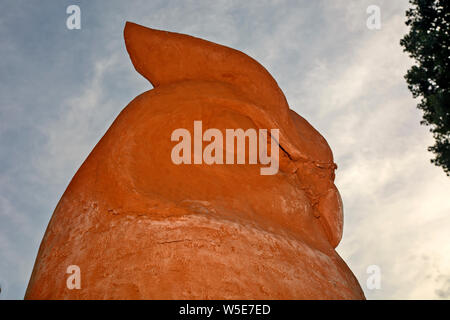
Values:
[(140, 226)]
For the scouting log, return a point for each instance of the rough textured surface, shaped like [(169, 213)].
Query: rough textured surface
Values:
[(141, 227)]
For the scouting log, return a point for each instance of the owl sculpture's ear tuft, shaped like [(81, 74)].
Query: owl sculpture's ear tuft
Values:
[(166, 57)]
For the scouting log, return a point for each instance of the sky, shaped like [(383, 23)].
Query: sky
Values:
[(61, 89)]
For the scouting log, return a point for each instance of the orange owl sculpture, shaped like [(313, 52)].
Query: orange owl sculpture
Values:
[(139, 226)]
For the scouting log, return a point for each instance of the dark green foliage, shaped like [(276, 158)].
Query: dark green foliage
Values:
[(428, 43)]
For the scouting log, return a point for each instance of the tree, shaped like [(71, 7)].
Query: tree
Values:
[(428, 42)]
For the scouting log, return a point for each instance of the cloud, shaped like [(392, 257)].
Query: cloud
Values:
[(82, 121), (444, 291)]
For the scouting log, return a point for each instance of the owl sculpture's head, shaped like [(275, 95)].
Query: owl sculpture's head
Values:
[(196, 81)]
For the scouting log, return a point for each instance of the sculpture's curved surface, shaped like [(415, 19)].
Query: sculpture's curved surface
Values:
[(141, 227)]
